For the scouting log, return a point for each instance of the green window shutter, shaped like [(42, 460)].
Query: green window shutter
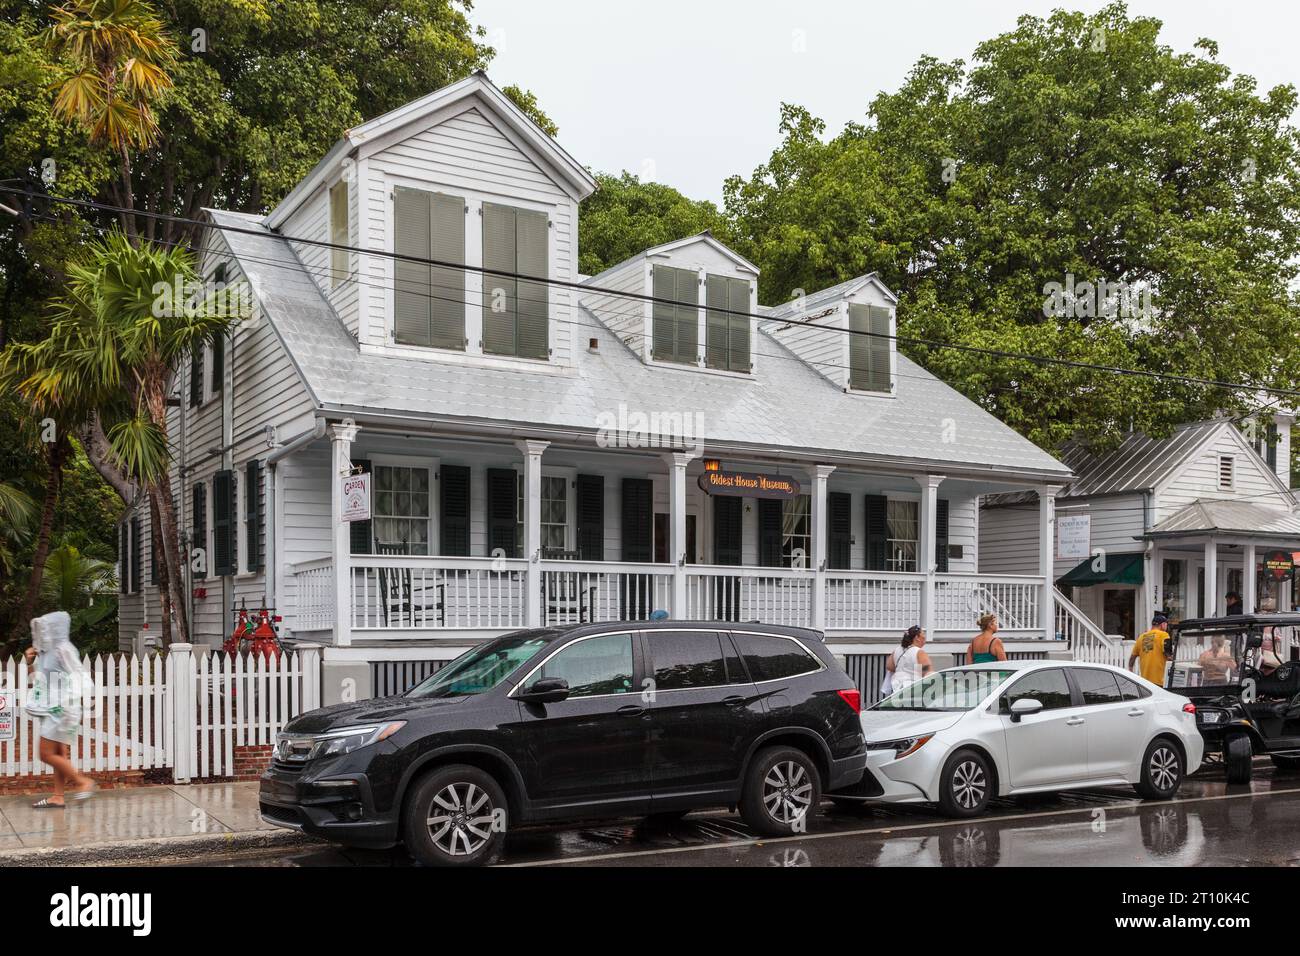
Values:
[(412, 295), (839, 530), (502, 510), (716, 324), (454, 482), (880, 345), (155, 548), (135, 555), (738, 359), (769, 533), (218, 362), (676, 327), (339, 233), (877, 532), (727, 343), (359, 532), (591, 517), (253, 514), (124, 559), (859, 347), (196, 375), (727, 530), (941, 536), (663, 315), (533, 314), (638, 520), (499, 292), (447, 244), (200, 526), (688, 316), (223, 523)]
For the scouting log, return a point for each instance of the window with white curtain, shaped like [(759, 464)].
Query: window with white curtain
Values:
[(796, 531), (401, 513), (904, 534)]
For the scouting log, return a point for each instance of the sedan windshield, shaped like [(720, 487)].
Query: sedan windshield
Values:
[(956, 689), (483, 668)]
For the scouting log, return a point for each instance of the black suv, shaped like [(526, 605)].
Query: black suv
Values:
[(567, 723)]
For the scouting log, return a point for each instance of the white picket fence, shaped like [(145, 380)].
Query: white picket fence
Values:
[(183, 710)]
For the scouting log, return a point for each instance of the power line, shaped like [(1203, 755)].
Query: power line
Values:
[(640, 296)]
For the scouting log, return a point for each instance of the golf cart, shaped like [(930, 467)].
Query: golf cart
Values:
[(1243, 674)]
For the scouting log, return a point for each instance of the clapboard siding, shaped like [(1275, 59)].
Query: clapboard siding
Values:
[(1199, 478), (311, 221), (626, 317), (1008, 540), (824, 347)]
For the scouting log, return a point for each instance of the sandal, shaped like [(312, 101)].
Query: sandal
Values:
[(87, 793), (46, 804)]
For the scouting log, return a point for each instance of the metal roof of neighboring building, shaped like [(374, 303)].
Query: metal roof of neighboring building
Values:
[(1205, 515), (928, 424)]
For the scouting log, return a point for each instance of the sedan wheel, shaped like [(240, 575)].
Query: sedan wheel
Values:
[(1162, 770), (966, 785), (454, 816)]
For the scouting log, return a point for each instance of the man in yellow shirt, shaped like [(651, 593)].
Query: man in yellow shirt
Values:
[(1150, 649)]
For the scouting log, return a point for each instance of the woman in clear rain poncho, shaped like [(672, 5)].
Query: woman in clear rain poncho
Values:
[(55, 699)]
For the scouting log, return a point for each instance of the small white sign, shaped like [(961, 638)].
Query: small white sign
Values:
[(1073, 536), (7, 714), (356, 497)]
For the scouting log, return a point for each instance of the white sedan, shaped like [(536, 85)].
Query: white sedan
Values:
[(964, 735)]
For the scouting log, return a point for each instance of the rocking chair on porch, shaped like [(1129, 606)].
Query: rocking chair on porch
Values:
[(400, 603), (563, 597)]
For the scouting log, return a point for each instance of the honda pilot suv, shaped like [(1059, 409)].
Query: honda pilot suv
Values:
[(569, 723)]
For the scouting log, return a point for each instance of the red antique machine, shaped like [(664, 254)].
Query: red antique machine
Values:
[(254, 632)]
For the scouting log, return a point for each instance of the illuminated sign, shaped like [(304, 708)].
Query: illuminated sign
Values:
[(748, 484), (1280, 564)]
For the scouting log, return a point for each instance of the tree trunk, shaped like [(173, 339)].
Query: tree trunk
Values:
[(160, 565), (161, 493), (95, 444), (56, 453)]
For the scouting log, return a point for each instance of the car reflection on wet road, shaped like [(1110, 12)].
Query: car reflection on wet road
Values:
[(1209, 824)]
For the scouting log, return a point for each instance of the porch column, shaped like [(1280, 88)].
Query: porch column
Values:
[(819, 535), (532, 451), (1248, 583), (1211, 608), (1047, 555), (677, 462), (341, 438), (926, 561)]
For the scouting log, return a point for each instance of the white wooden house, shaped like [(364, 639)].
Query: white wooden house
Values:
[(1177, 523), (536, 447)]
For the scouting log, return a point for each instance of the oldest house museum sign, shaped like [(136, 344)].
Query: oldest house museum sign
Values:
[(748, 484)]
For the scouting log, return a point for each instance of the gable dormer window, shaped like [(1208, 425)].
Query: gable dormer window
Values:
[(339, 233), (726, 343), (428, 301), (676, 327), (869, 348), (516, 312)]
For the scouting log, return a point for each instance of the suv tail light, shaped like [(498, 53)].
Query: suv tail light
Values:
[(1189, 708), (853, 698)]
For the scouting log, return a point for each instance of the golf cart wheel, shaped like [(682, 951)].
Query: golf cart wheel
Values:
[(1162, 770), (1285, 763), (1237, 756), (966, 784)]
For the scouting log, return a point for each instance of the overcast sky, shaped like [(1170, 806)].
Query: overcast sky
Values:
[(687, 92)]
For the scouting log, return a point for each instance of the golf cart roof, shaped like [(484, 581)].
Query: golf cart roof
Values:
[(1238, 622)]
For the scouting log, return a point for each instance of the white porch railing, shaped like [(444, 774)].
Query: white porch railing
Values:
[(731, 593), (872, 599), (1085, 639), (578, 592), (315, 594), (414, 592), (960, 600)]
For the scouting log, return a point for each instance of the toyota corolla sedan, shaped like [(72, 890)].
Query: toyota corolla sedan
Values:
[(962, 736)]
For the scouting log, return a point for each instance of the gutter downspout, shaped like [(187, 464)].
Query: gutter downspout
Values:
[(295, 444)]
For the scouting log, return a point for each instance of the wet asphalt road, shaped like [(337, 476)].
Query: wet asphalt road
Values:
[(1209, 824)]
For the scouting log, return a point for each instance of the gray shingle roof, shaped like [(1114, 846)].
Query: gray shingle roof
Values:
[(784, 406), (1208, 515)]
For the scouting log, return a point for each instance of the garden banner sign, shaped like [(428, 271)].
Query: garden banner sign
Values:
[(748, 484), (356, 497)]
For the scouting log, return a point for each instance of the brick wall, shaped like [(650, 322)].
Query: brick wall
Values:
[(251, 760), (44, 783)]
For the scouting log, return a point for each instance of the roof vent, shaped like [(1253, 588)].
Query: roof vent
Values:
[(593, 345)]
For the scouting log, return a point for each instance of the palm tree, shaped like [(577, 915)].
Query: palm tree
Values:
[(117, 345), (17, 515), (81, 585), (117, 55)]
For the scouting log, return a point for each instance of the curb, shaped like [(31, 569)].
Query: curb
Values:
[(155, 850)]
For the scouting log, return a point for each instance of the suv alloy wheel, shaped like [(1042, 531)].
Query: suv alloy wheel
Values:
[(782, 788), (455, 817)]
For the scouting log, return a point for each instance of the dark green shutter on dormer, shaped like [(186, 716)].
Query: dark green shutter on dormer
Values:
[(877, 522), (869, 348), (223, 523), (839, 530), (359, 532), (638, 520), (676, 328), (769, 533), (454, 484), (727, 324), (591, 517), (516, 313), (429, 300), (502, 511), (532, 334), (941, 536)]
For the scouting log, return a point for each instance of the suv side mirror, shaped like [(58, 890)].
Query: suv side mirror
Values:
[(548, 690), (1024, 707)]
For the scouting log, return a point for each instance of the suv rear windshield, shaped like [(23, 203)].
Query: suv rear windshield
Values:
[(482, 668)]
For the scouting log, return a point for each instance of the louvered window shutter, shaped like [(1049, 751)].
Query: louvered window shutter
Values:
[(196, 375), (200, 526), (688, 317), (339, 233), (663, 315), (253, 514), (218, 363), (532, 335), (727, 530), (499, 292), (591, 517), (155, 550), (135, 555), (716, 324), (502, 511), (941, 536), (877, 532), (223, 523), (447, 244), (638, 519), (769, 533), (839, 522), (454, 482), (412, 295), (124, 558), (738, 357), (880, 348), (359, 532)]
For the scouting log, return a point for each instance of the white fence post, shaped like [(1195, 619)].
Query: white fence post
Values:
[(309, 663), (180, 687)]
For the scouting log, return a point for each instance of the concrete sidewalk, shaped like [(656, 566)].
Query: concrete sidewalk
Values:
[(137, 825)]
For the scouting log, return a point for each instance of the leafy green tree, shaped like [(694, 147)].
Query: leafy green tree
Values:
[(17, 517), (83, 586), (625, 216), (1073, 148)]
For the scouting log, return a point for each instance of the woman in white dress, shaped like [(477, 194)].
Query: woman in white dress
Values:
[(60, 685), (909, 662)]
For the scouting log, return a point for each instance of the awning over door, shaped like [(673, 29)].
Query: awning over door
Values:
[(1104, 569)]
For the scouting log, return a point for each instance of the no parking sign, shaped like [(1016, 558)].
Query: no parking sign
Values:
[(6, 715)]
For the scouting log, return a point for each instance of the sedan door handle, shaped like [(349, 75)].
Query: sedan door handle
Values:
[(1137, 713), (1074, 722), (735, 700), (630, 710)]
